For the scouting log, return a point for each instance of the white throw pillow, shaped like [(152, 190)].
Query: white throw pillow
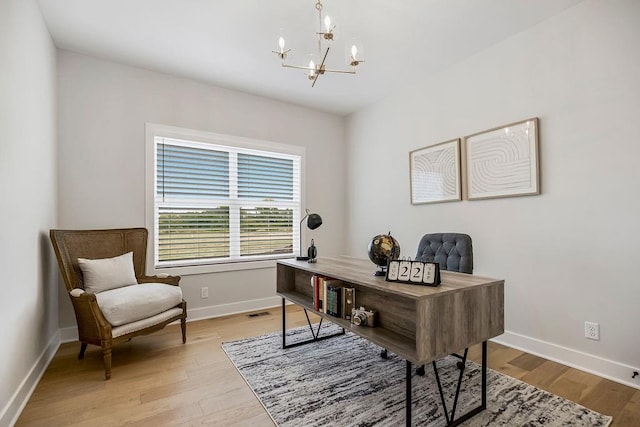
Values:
[(108, 273)]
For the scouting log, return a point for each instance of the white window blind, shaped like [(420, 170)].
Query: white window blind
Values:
[(219, 203)]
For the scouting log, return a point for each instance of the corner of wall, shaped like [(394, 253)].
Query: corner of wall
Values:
[(11, 412)]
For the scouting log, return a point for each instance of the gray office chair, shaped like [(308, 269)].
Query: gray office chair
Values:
[(454, 252)]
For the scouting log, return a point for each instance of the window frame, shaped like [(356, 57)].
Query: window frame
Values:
[(153, 130)]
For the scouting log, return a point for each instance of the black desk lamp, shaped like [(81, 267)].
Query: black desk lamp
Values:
[(313, 221)]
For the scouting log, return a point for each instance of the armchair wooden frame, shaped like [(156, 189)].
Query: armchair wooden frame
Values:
[(93, 328)]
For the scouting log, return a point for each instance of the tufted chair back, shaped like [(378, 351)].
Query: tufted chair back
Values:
[(453, 251)]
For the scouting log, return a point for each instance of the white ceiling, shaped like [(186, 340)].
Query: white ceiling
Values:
[(228, 43)]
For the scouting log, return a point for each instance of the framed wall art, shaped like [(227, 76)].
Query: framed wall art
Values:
[(435, 173), (503, 162)]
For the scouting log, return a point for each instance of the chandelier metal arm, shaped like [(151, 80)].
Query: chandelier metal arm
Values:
[(326, 70), (315, 79), (299, 67), (321, 69), (330, 70)]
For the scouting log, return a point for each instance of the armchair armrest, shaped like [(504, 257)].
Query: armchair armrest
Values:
[(92, 325), (76, 292), (169, 280)]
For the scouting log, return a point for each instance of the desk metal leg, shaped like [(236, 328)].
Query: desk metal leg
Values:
[(315, 334), (408, 402), (484, 374), (284, 325), (450, 418)]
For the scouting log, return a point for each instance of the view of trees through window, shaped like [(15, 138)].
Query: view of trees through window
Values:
[(204, 233), (266, 231)]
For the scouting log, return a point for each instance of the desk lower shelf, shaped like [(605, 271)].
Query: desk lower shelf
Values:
[(385, 338)]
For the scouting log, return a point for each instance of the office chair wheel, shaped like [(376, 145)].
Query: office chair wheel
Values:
[(384, 354), (420, 371), (460, 365)]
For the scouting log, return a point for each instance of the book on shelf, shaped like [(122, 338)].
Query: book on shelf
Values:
[(316, 292), (334, 300), (349, 302), (324, 290)]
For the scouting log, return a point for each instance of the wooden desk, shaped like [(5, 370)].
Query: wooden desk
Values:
[(419, 323)]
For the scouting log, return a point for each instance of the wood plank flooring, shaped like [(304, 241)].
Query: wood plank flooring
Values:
[(156, 380)]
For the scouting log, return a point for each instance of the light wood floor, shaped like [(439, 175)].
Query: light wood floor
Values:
[(156, 380)]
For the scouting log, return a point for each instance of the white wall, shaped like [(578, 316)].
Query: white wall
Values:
[(29, 303), (568, 255), (103, 107)]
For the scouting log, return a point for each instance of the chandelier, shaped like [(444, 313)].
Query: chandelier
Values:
[(315, 67)]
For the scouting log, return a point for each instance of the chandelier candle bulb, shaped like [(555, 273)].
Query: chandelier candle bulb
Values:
[(280, 49), (329, 29), (353, 53), (312, 69)]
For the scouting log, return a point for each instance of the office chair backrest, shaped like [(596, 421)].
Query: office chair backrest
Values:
[(453, 251)]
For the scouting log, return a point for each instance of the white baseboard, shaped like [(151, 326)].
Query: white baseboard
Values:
[(13, 409), (71, 334), (233, 308), (596, 365)]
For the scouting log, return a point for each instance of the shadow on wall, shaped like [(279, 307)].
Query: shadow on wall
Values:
[(48, 280)]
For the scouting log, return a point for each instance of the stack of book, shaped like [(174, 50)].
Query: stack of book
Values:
[(330, 296)]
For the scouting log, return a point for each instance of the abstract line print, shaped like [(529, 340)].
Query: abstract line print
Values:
[(435, 173), (503, 162)]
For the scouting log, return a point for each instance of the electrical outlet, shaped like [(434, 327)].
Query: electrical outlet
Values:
[(592, 330), (204, 292)]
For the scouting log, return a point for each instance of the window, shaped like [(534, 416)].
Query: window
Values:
[(220, 200)]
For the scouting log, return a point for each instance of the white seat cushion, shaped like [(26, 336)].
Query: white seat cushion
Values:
[(131, 303)]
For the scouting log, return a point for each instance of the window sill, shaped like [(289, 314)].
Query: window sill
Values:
[(216, 268)]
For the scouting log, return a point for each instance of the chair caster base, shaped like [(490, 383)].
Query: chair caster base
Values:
[(420, 371)]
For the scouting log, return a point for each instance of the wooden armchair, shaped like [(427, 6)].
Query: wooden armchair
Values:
[(93, 327)]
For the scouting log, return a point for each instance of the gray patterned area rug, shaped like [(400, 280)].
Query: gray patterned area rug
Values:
[(343, 381)]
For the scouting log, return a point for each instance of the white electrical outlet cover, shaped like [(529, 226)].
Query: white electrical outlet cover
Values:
[(592, 331)]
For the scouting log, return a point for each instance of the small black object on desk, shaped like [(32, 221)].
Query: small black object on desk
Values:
[(313, 221), (312, 252)]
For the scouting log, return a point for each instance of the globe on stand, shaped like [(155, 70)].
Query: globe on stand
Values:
[(381, 250)]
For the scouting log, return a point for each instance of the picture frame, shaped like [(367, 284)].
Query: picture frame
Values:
[(435, 173), (503, 161)]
